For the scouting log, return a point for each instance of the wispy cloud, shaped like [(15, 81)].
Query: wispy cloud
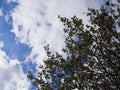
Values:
[(1, 12), (35, 22), (11, 74)]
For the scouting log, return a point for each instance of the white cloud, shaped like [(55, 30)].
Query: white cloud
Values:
[(36, 23), (1, 12), (11, 74), (1, 44), (8, 1)]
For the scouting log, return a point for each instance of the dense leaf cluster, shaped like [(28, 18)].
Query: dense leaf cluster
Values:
[(93, 54)]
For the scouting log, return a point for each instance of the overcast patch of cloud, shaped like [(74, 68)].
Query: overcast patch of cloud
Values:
[(1, 12), (36, 22), (8, 1), (11, 74)]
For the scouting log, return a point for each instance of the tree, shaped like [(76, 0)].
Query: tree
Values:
[(93, 54)]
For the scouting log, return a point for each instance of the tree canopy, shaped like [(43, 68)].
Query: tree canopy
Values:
[(92, 54)]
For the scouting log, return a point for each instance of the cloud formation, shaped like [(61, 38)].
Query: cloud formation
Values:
[(36, 23), (11, 74), (1, 12)]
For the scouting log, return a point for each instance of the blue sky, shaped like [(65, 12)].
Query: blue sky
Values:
[(25, 27)]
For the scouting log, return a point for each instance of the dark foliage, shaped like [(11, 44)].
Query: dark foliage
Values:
[(93, 54)]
